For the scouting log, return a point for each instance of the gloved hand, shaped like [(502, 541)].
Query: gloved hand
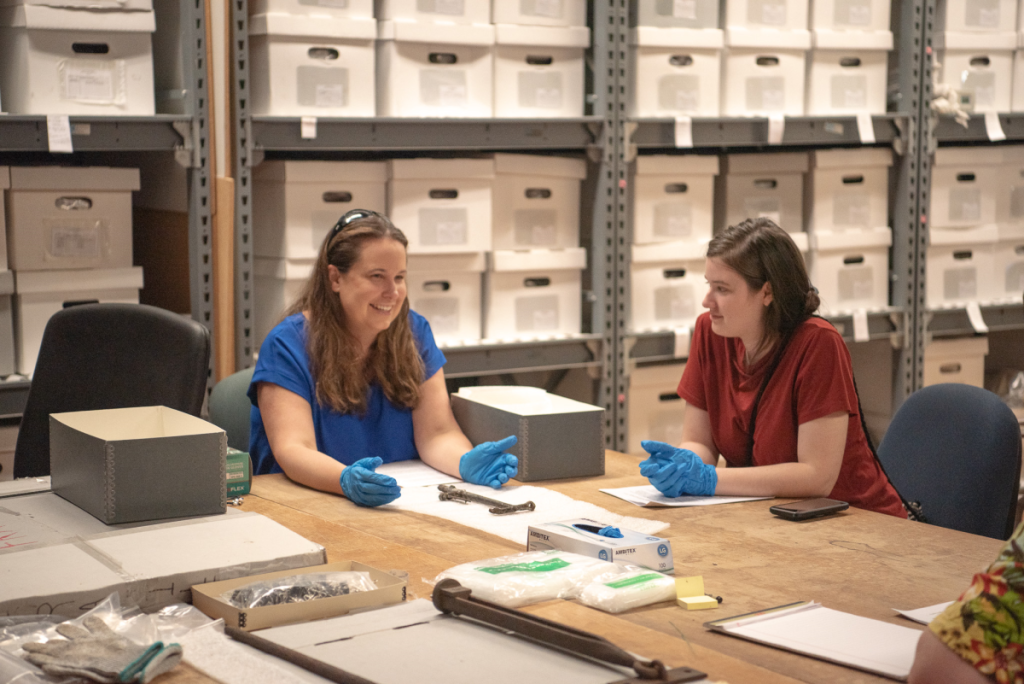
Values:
[(364, 487), (98, 653), (674, 471), (609, 531), (488, 464)]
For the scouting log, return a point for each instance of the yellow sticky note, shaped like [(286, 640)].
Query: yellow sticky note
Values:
[(690, 586), (697, 602)]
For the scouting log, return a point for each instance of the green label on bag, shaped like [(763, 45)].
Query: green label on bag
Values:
[(629, 581), (533, 566)]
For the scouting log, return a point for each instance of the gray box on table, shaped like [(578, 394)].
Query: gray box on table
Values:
[(558, 437), (135, 464)]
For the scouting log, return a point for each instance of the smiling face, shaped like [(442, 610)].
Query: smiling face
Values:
[(736, 309), (373, 290)]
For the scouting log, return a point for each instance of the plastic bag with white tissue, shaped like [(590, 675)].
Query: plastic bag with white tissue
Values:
[(628, 587), (298, 588), (525, 578)]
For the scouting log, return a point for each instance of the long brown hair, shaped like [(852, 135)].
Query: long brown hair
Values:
[(342, 381), (761, 252)]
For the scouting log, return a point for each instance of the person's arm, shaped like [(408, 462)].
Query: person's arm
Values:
[(820, 446), (439, 439), (936, 663), (697, 434), (288, 421)]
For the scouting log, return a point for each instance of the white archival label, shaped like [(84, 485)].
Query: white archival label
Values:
[(415, 473), (924, 615), (866, 129), (307, 128), (684, 131), (993, 128), (682, 343), (649, 497), (860, 326), (976, 319), (776, 129), (58, 133)]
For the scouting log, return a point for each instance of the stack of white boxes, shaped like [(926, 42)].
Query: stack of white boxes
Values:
[(847, 197), (297, 203), (7, 365), (312, 59), (672, 225), (444, 208), (538, 57), (655, 409), (847, 68), (533, 284), (60, 57), (765, 57), (434, 58), (1008, 284), (676, 58), (763, 186), (69, 239), (975, 41)]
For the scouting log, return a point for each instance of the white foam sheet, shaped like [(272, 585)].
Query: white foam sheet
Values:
[(208, 650), (415, 473), (550, 506), (924, 615)]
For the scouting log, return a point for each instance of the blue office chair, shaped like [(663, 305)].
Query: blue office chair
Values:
[(956, 449), (230, 406)]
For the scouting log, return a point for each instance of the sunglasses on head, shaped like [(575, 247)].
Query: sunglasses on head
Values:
[(348, 218)]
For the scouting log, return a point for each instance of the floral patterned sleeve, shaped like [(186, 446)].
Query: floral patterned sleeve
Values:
[(985, 626)]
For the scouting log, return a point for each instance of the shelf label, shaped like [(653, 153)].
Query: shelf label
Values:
[(307, 128), (58, 133), (684, 131), (776, 128), (975, 317), (681, 348), (866, 129), (860, 326), (993, 128)]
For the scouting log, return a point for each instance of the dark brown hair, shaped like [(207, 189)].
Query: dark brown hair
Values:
[(393, 360)]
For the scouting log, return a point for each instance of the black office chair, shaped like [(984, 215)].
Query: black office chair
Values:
[(230, 407), (102, 356), (956, 449)]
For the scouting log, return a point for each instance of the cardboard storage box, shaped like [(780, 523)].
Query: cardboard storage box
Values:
[(321, 9), (580, 536), (312, 66), (960, 359), (276, 285), (427, 11), (848, 190), (536, 201), (142, 463), (534, 293), (1008, 282), (655, 409), (207, 598), (694, 14), (40, 294), (296, 203), (542, 13), (966, 186), (982, 16), (667, 285), (960, 266), (768, 185), (56, 59), (676, 71), (764, 80), (446, 289), (847, 73), (558, 437), (541, 69), (850, 15), (673, 198), (774, 15), (979, 67), (851, 269)]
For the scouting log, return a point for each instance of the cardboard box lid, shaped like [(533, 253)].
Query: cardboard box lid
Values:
[(78, 178), (980, 236), (969, 157), (5, 177), (958, 347), (986, 42), (474, 262), (424, 168), (799, 39), (653, 36), (1010, 232), (136, 423), (851, 239), (77, 19), (524, 401), (537, 165), (665, 375), (546, 36), (282, 269), (436, 32), (6, 282), (538, 259), (663, 252), (77, 280), (338, 29), (852, 158), (769, 162), (823, 39), (322, 172), (677, 165)]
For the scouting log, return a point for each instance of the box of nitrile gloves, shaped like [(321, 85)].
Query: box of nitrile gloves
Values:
[(581, 536)]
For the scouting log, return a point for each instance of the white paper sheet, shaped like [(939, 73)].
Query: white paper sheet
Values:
[(924, 615), (415, 473), (843, 638), (649, 497)]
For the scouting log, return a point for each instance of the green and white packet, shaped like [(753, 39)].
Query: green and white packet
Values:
[(630, 587)]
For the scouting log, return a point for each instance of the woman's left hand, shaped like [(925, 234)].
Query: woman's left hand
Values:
[(488, 464), (674, 471)]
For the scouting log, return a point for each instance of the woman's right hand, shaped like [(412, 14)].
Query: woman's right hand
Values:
[(364, 487), (674, 471)]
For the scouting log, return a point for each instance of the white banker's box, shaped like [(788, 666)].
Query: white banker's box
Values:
[(581, 536)]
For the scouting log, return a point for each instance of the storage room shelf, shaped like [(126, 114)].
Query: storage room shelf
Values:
[(96, 134), (955, 322), (578, 351), (948, 130)]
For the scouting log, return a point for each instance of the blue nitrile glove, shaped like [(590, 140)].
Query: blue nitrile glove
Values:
[(364, 487), (674, 471), (609, 531), (488, 464)]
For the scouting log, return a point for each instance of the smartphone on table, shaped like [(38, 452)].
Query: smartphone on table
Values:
[(808, 508)]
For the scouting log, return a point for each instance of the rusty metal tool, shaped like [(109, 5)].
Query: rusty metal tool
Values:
[(450, 493)]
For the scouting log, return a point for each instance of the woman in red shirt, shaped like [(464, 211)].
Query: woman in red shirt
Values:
[(768, 384)]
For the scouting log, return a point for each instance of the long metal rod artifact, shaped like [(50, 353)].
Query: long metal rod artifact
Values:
[(450, 493)]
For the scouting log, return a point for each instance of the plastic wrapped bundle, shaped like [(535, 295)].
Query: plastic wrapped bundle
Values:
[(298, 588), (525, 578), (615, 592)]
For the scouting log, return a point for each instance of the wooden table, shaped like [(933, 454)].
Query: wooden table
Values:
[(857, 561)]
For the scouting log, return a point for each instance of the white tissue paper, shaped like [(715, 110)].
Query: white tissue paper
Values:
[(628, 587)]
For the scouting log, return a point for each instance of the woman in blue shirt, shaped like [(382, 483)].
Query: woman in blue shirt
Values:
[(351, 378)]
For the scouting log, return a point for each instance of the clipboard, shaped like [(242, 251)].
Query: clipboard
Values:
[(810, 629)]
